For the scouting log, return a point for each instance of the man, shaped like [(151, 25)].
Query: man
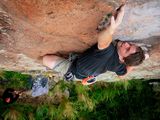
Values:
[(103, 56), (10, 96)]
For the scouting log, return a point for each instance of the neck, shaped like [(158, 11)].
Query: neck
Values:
[(118, 51)]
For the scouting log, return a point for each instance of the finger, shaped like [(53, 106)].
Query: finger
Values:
[(123, 7), (16, 92), (112, 21), (120, 8), (124, 2), (120, 16)]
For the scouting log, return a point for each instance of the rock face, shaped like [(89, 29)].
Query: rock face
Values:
[(29, 29)]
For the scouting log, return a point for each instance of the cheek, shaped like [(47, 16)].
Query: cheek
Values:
[(124, 49), (123, 52)]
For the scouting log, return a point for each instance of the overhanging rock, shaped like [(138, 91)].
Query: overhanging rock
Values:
[(30, 29)]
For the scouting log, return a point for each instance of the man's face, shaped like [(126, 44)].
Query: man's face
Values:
[(127, 49)]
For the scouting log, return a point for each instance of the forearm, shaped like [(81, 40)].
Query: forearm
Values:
[(129, 69), (105, 38)]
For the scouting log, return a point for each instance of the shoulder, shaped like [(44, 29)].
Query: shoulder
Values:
[(104, 53), (110, 46)]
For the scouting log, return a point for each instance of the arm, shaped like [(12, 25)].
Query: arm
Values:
[(129, 69), (105, 37)]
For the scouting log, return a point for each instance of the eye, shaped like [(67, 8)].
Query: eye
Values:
[(128, 49)]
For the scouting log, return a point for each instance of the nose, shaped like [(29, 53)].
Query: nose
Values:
[(127, 44)]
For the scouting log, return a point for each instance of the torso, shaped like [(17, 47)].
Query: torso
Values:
[(94, 61)]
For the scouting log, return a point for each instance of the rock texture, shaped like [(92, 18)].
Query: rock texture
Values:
[(30, 29)]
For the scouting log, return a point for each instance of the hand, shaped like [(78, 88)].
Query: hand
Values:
[(18, 93), (130, 68), (116, 19)]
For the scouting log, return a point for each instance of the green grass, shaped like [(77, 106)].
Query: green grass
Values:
[(10, 79), (129, 100)]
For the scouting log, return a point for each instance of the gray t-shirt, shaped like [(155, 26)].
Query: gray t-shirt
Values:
[(94, 62)]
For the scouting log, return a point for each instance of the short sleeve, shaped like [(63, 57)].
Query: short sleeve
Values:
[(121, 70), (104, 52)]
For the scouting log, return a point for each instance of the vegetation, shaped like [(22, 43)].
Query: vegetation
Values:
[(10, 79), (130, 100)]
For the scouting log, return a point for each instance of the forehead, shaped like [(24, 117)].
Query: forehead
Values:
[(131, 44)]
